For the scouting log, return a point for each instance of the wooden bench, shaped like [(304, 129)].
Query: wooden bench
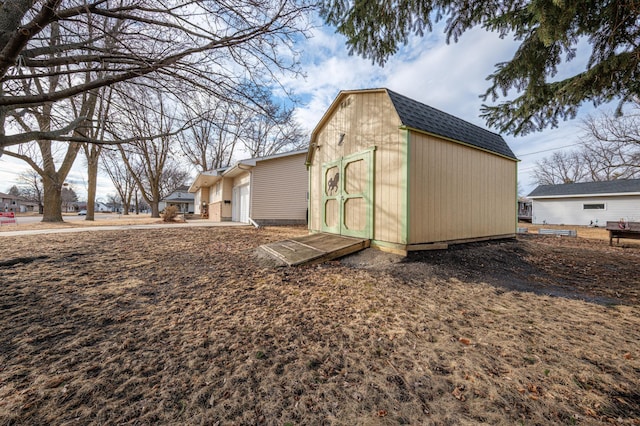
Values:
[(623, 229), (7, 217)]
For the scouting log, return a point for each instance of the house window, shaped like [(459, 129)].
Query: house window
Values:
[(594, 206)]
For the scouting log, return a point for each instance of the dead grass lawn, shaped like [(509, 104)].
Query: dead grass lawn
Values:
[(187, 326), (112, 220)]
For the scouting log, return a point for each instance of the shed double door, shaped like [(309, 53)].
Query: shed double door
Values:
[(347, 195)]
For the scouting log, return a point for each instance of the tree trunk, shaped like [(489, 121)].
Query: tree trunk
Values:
[(155, 208), (93, 154), (52, 211)]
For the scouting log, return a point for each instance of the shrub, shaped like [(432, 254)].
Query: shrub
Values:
[(170, 214)]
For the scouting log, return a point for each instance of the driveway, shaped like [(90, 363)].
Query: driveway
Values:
[(188, 224)]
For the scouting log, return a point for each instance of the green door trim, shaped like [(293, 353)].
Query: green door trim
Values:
[(341, 196), (325, 197)]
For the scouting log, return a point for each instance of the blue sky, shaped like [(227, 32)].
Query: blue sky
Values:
[(450, 77)]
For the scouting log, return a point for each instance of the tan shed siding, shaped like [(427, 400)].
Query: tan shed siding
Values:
[(457, 192), (366, 119), (279, 189)]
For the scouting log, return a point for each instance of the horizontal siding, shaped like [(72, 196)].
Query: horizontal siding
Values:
[(457, 192), (242, 179), (570, 211), (279, 189)]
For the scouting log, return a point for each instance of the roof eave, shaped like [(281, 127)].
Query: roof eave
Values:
[(606, 194), (204, 179), (424, 132)]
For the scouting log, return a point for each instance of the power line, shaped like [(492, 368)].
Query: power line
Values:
[(547, 150)]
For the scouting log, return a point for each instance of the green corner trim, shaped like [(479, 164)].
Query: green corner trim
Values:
[(406, 147)]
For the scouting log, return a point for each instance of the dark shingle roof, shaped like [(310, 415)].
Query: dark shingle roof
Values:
[(419, 116), (587, 188)]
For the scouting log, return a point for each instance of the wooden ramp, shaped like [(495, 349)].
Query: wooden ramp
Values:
[(315, 248)]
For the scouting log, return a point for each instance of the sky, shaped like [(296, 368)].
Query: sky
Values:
[(449, 77)]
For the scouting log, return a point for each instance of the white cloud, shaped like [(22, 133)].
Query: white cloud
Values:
[(10, 170), (449, 77)]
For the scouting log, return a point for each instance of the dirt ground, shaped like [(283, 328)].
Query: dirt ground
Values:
[(189, 326)]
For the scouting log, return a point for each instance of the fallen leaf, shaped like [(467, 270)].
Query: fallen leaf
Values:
[(457, 393), (627, 355), (464, 341), (381, 413)]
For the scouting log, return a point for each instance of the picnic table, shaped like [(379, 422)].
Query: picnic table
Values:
[(623, 229)]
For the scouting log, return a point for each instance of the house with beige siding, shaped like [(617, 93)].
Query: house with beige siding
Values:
[(407, 176), (269, 190)]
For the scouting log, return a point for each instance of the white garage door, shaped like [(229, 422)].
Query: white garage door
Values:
[(240, 200)]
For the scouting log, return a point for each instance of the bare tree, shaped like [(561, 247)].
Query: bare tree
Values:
[(92, 151), (52, 162), (69, 198), (271, 128), (610, 150), (561, 167), (210, 44), (15, 191), (151, 162), (609, 160), (210, 141), (31, 187), (612, 144), (121, 177)]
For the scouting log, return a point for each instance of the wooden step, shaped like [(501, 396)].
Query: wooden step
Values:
[(314, 248)]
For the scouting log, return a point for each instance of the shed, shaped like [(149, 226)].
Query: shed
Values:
[(269, 190), (586, 203), (408, 176)]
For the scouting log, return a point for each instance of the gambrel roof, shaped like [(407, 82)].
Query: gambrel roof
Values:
[(612, 187), (418, 116)]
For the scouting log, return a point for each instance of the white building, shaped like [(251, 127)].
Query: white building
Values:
[(181, 198), (586, 203)]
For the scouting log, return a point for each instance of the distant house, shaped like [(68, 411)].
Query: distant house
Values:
[(586, 203), (407, 176), (524, 210), (181, 198), (101, 207), (269, 190), (16, 204)]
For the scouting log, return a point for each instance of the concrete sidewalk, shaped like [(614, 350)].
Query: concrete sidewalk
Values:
[(188, 224)]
